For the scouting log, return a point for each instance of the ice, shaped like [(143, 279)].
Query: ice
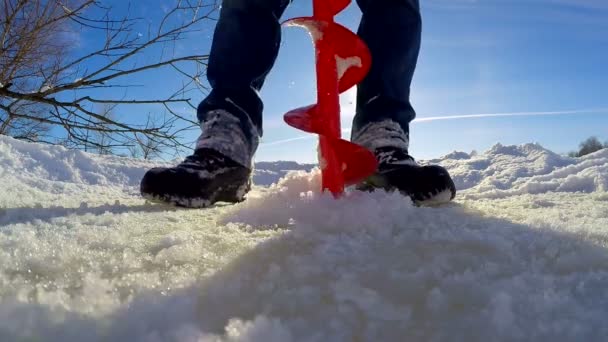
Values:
[(521, 255)]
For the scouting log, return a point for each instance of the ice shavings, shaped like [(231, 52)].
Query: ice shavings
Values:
[(343, 64), (314, 27), (377, 268)]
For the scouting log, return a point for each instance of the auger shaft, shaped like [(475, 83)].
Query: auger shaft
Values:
[(342, 60), (328, 104)]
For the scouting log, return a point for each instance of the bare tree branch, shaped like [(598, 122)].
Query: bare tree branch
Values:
[(48, 82)]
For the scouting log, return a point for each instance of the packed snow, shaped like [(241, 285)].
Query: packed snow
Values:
[(521, 255)]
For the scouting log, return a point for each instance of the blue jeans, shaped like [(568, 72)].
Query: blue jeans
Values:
[(246, 43)]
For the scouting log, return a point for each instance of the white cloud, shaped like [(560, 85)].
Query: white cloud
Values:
[(346, 130), (494, 115)]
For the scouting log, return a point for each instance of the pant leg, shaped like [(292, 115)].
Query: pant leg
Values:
[(392, 31), (244, 48)]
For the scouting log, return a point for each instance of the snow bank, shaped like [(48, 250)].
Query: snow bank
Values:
[(526, 169), (515, 258), (33, 173)]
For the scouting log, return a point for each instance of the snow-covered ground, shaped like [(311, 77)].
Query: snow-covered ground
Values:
[(521, 255)]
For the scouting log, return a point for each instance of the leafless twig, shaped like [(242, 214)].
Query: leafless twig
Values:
[(46, 83)]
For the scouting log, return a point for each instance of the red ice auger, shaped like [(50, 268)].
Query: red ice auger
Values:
[(342, 61)]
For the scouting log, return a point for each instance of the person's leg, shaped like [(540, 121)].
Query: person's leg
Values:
[(392, 31), (244, 48)]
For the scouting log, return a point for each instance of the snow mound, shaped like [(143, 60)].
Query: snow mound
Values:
[(55, 173), (82, 257), (269, 173), (527, 169), (35, 173)]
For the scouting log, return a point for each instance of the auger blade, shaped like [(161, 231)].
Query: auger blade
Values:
[(357, 162), (353, 58), (306, 119)]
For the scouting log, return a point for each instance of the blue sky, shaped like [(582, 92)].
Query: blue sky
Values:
[(477, 57)]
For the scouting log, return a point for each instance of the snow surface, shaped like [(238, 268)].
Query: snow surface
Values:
[(521, 255)]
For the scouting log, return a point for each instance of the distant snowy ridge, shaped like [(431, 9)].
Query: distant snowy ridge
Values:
[(521, 255), (526, 169)]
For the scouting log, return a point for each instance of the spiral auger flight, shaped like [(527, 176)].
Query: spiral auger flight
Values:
[(342, 61)]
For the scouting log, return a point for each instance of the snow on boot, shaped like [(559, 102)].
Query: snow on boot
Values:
[(397, 170), (219, 170)]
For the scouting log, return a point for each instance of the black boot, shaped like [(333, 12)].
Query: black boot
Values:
[(397, 170), (202, 179), (219, 170)]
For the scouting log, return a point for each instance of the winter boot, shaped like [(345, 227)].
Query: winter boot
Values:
[(397, 170), (219, 170)]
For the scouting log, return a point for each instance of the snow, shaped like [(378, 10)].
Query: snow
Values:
[(521, 255), (269, 173), (222, 131), (343, 64), (528, 169)]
